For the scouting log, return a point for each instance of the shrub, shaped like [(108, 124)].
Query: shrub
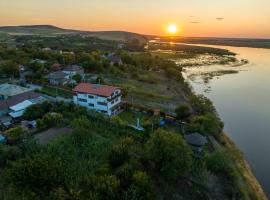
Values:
[(53, 119), (14, 134), (140, 188), (40, 174), (183, 112), (120, 152), (37, 111), (9, 153), (206, 124), (169, 153)]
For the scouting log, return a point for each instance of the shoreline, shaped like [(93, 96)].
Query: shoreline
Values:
[(255, 189)]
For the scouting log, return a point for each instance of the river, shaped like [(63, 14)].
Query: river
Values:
[(241, 100)]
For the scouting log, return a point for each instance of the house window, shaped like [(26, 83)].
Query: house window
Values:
[(82, 100), (102, 103), (91, 104), (90, 96)]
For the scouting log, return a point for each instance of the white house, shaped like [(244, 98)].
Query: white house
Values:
[(73, 70), (102, 98)]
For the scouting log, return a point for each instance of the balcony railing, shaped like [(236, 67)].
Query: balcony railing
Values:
[(114, 97)]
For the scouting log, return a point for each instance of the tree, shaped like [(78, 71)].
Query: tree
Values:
[(182, 112), (218, 162), (107, 187), (140, 188), (77, 78), (82, 127), (10, 68), (37, 111), (9, 153), (169, 153), (120, 152), (35, 175), (14, 135), (206, 124), (202, 105), (53, 119)]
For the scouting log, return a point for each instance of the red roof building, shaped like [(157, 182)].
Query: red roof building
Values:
[(101, 98), (95, 89)]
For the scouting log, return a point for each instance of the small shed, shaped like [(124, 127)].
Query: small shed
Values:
[(196, 139)]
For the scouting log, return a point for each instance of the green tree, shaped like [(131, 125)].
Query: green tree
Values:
[(206, 124), (10, 68), (120, 152), (53, 119), (37, 111), (218, 162), (183, 112), (34, 175), (169, 153), (14, 134), (141, 187), (77, 78), (9, 153)]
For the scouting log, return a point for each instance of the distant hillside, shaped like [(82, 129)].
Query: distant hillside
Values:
[(237, 42), (118, 35), (34, 30), (50, 30)]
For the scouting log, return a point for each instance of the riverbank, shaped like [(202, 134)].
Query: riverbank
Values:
[(247, 183)]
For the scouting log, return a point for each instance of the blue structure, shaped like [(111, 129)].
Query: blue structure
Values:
[(162, 123), (2, 139)]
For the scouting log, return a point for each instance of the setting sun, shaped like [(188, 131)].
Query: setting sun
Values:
[(172, 28)]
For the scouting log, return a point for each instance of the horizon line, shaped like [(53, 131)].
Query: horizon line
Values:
[(143, 34)]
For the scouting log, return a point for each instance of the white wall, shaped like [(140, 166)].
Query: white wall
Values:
[(95, 100)]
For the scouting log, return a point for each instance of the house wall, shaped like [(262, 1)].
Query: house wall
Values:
[(105, 105)]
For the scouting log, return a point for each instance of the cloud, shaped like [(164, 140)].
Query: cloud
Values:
[(195, 22), (219, 18)]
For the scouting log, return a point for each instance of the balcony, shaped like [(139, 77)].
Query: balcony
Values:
[(110, 99)]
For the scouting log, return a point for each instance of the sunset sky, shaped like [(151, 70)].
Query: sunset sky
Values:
[(220, 18)]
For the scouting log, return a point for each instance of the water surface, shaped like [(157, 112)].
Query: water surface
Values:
[(242, 100)]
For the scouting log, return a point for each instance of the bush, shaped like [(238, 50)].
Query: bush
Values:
[(53, 119), (107, 187), (38, 174), (218, 162), (9, 153), (206, 124), (14, 134), (183, 112), (37, 111), (120, 152), (170, 154), (202, 105), (140, 188)]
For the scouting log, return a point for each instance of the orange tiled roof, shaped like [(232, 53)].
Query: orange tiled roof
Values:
[(101, 90)]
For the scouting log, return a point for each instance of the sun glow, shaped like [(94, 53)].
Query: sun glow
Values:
[(172, 29)]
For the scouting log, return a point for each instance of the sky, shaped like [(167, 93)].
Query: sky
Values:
[(205, 18)]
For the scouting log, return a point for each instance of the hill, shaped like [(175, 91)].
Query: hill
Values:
[(50, 30), (34, 30), (237, 42)]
